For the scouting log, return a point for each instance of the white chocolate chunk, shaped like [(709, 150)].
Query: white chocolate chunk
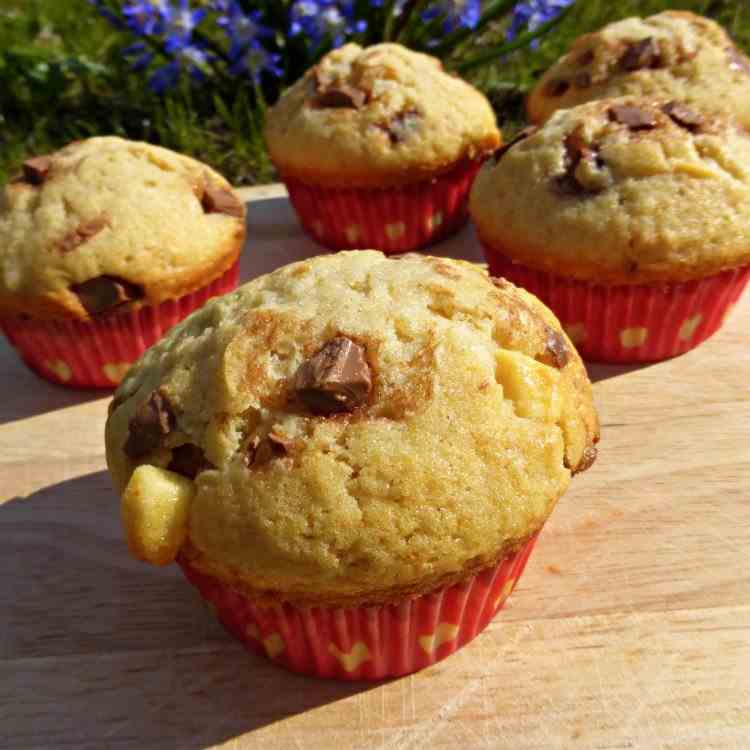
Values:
[(155, 509), (533, 387)]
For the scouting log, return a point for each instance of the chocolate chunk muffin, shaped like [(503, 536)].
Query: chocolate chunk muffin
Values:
[(378, 147), (675, 55), (109, 237), (351, 432), (629, 217)]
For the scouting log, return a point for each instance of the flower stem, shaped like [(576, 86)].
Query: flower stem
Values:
[(521, 40)]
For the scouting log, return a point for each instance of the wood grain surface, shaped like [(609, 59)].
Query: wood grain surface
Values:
[(629, 629)]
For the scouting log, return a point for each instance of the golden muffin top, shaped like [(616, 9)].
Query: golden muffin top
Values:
[(106, 223), (351, 427), (622, 191), (377, 116), (672, 55)]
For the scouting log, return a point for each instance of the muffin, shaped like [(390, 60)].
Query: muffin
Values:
[(672, 55), (352, 457), (105, 245), (378, 147), (630, 218)]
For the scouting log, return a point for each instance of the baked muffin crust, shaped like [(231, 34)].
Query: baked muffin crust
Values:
[(671, 55), (107, 222), (463, 411), (621, 191), (378, 116)]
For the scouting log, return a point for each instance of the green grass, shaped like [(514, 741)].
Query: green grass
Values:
[(62, 77)]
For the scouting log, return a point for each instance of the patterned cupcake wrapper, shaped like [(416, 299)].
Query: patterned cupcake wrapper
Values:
[(630, 323), (366, 643), (98, 353), (393, 220)]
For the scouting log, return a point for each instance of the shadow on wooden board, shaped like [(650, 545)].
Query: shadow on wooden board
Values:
[(98, 650), (25, 394)]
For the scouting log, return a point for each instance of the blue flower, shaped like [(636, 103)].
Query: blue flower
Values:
[(143, 55), (243, 29), (256, 60), (529, 16), (455, 13), (146, 17), (191, 59), (324, 19), (179, 24)]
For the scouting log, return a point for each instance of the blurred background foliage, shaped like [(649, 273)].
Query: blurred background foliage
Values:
[(197, 76)]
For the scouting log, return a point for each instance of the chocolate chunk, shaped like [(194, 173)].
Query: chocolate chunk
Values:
[(35, 170), (737, 60), (642, 54), (586, 58), (520, 136), (398, 127), (683, 116), (189, 460), (556, 351), (83, 233), (340, 96), (634, 118), (260, 452), (577, 148), (152, 421), (105, 293), (336, 379), (582, 80), (218, 200), (556, 87)]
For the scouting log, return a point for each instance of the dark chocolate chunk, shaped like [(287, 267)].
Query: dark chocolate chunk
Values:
[(577, 148), (556, 87), (189, 460), (556, 351), (340, 96), (336, 379), (36, 169), (683, 116), (83, 233), (218, 200), (520, 136), (642, 54), (151, 423), (582, 80), (586, 57), (260, 452), (634, 118), (398, 127), (105, 293)]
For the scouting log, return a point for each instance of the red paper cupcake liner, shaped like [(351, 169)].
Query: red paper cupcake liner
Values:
[(393, 220), (366, 643), (630, 323), (98, 353)]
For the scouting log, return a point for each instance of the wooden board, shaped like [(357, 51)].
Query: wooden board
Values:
[(630, 628)]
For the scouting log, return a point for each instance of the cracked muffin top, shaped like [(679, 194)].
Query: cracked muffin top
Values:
[(351, 428), (672, 55), (106, 223), (621, 191), (382, 115)]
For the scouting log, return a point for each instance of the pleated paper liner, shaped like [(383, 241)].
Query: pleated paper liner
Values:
[(630, 323), (97, 353), (394, 219), (366, 643)]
